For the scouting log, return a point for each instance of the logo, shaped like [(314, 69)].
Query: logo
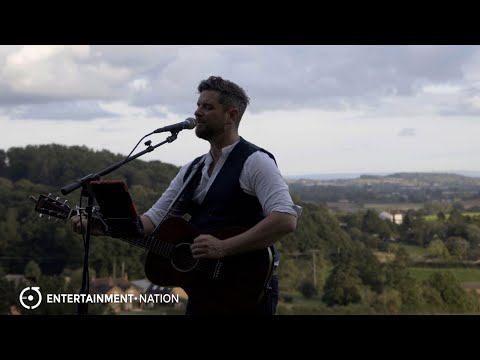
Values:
[(30, 298)]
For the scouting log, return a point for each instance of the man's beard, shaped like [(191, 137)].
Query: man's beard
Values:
[(206, 133)]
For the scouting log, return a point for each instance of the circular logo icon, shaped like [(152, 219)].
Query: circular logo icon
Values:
[(28, 301)]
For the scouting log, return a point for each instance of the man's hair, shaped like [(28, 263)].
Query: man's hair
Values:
[(230, 93)]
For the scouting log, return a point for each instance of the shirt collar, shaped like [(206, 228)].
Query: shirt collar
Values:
[(225, 152)]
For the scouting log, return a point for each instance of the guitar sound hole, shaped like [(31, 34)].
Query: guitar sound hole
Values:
[(182, 259)]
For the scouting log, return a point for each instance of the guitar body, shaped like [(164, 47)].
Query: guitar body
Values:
[(231, 285)]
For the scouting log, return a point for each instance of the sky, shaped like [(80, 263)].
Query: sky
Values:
[(319, 109)]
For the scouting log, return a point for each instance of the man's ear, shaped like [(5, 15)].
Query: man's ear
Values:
[(233, 115)]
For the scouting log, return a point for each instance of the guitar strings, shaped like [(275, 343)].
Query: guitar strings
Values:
[(165, 248), (158, 246)]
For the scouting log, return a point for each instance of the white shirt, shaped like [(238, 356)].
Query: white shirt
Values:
[(259, 177)]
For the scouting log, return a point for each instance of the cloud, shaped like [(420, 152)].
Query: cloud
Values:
[(350, 108), (44, 73), (86, 110), (407, 132), (275, 77), (465, 106)]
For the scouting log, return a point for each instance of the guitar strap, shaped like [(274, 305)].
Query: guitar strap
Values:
[(188, 187)]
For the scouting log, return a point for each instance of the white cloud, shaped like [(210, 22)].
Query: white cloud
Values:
[(60, 72), (473, 101), (407, 132), (317, 108), (442, 89), (471, 67)]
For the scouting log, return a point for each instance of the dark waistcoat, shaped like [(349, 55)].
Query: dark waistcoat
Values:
[(225, 203)]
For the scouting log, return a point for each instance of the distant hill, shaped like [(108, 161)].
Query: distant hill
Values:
[(414, 187), (403, 175), (421, 179), (436, 178), (332, 176)]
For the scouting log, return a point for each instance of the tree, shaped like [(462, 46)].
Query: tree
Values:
[(33, 271), (369, 270), (441, 216), (456, 217), (457, 247), (3, 163), (388, 302), (8, 294), (398, 277), (307, 289), (453, 295), (371, 223), (343, 287), (437, 249), (473, 235)]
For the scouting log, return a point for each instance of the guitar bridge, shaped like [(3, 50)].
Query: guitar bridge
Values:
[(216, 272)]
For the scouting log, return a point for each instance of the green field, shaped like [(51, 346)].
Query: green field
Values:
[(415, 252), (161, 310), (393, 206), (434, 217), (297, 304), (462, 274)]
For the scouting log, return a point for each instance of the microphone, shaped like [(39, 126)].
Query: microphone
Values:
[(189, 123)]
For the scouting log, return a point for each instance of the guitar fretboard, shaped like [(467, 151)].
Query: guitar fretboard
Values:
[(151, 243)]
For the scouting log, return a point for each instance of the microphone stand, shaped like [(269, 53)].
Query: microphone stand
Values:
[(84, 182)]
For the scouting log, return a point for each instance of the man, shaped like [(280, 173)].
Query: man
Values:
[(238, 184)]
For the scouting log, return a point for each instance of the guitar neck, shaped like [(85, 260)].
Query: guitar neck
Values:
[(151, 243), (128, 230)]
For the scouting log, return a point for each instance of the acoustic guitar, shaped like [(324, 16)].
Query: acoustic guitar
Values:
[(230, 285)]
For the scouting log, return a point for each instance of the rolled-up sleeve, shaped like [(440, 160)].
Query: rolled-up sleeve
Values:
[(261, 177)]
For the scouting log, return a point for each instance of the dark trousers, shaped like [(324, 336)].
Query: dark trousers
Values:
[(267, 306)]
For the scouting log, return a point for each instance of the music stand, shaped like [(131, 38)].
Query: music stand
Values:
[(117, 208)]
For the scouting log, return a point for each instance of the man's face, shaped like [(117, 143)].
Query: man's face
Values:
[(210, 116)]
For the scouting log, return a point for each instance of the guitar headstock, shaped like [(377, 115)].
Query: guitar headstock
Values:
[(47, 205), (52, 207)]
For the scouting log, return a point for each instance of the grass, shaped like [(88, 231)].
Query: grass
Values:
[(395, 206), (416, 252), (299, 305), (161, 310), (434, 217), (462, 274), (383, 256)]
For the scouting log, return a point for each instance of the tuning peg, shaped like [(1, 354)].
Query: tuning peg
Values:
[(65, 202), (40, 215), (57, 198), (49, 217), (49, 194)]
